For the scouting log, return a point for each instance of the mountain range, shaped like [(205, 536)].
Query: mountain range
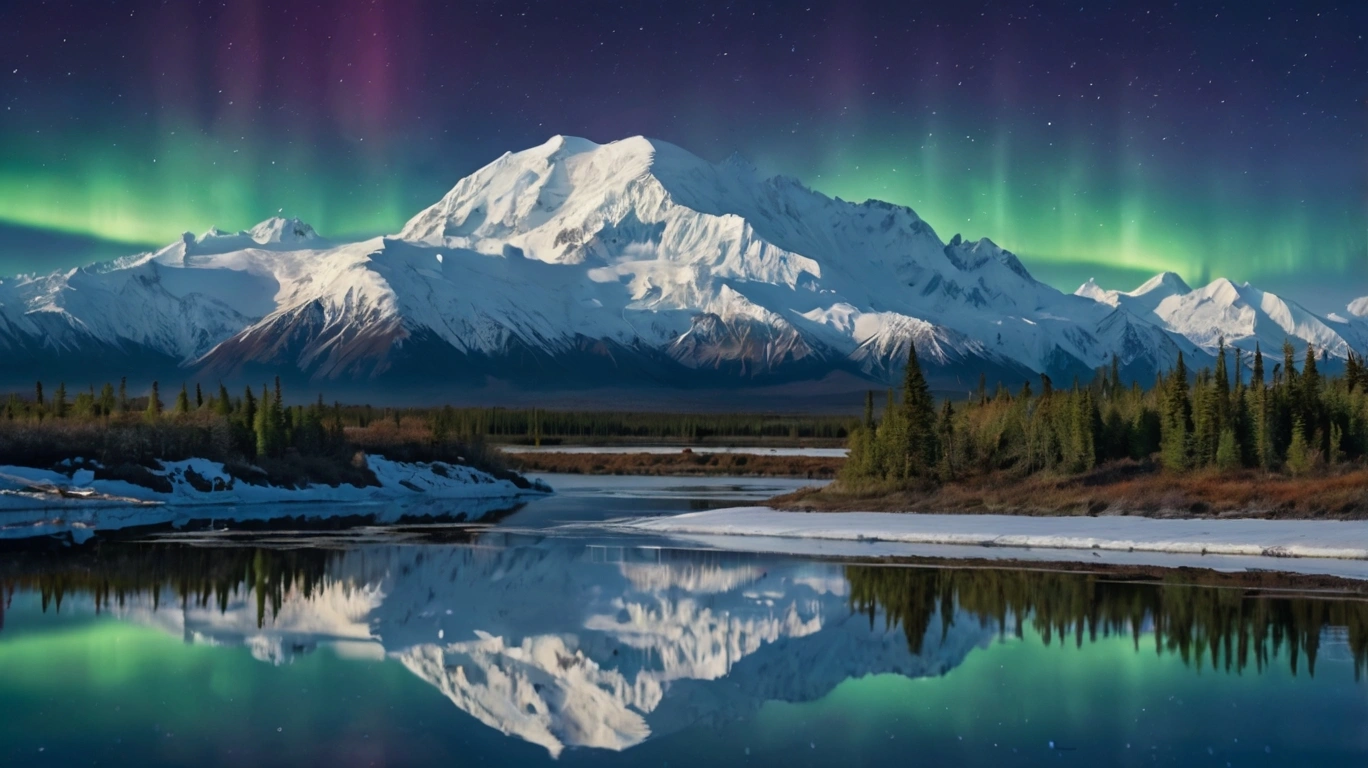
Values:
[(633, 266)]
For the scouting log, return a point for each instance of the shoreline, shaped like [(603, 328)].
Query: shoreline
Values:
[(1319, 547), (1120, 489), (45, 502)]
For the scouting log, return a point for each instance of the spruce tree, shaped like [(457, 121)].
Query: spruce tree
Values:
[(122, 405), (1262, 428), (919, 417), (59, 401), (223, 406), (249, 408), (1299, 459), (199, 397), (1311, 394), (182, 401), (154, 404), (1228, 451), (1222, 392), (265, 425), (945, 436), (1175, 424)]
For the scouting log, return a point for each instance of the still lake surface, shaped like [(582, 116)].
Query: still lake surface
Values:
[(529, 643)]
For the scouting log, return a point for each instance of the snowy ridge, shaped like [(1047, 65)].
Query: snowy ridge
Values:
[(580, 264), (1241, 315)]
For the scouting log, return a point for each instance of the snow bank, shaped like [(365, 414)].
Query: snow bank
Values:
[(1242, 538), (39, 501)]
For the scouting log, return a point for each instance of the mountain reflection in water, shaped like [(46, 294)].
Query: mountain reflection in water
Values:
[(565, 644)]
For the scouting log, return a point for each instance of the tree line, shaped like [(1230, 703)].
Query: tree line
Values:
[(529, 425), (1282, 419), (249, 425)]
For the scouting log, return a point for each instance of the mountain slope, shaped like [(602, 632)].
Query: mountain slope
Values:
[(574, 265), (1241, 315)]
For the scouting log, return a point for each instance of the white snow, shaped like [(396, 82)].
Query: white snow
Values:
[(1242, 315), (39, 502), (1267, 540), (636, 242)]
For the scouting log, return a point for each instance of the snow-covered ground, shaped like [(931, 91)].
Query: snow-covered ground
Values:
[(36, 502), (1310, 546)]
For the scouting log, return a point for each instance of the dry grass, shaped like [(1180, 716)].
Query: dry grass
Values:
[(1122, 488), (684, 463)]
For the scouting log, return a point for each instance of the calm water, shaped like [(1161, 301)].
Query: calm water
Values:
[(525, 645)]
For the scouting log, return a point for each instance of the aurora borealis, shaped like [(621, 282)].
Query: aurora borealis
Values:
[(1109, 139)]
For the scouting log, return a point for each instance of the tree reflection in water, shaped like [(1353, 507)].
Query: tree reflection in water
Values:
[(1226, 627)]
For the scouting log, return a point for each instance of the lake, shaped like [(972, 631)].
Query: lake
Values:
[(542, 640)]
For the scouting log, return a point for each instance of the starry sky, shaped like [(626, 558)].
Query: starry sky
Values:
[(1106, 139)]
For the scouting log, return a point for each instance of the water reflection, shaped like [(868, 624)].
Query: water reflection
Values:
[(1227, 628), (567, 645)]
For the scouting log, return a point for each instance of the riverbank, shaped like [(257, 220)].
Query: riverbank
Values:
[(1337, 548), (1121, 488), (684, 463), (201, 482)]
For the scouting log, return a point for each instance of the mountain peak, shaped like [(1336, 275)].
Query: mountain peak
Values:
[(1091, 290), (281, 230), (1168, 282)]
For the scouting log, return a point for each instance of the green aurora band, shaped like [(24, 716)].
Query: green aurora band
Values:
[(1059, 204)]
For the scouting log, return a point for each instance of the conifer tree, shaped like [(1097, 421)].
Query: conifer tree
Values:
[(919, 418), (1227, 451), (249, 408), (1262, 428), (1175, 426), (59, 401), (199, 397), (154, 403), (1298, 452), (223, 406), (945, 436), (265, 425), (122, 405), (182, 401)]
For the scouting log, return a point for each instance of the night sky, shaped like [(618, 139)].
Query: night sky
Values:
[(1108, 139)]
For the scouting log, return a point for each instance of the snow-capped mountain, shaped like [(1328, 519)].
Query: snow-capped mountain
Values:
[(1242, 315), (575, 265)]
